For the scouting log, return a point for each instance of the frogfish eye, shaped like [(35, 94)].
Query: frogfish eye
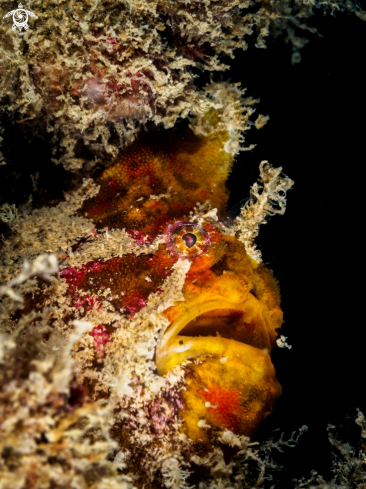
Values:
[(187, 239)]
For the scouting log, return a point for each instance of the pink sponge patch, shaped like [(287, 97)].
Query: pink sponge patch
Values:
[(101, 337)]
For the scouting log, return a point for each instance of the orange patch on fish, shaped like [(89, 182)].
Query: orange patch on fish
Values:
[(224, 405)]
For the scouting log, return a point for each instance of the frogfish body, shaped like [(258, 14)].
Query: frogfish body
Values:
[(224, 327)]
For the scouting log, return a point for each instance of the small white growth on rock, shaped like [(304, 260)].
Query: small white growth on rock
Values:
[(6, 344), (203, 213), (44, 266), (223, 360), (174, 477), (229, 438), (219, 470), (234, 112), (8, 213), (202, 423), (282, 343), (261, 121), (183, 437), (162, 196), (62, 376)]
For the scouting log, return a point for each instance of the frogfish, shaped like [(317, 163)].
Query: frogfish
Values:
[(183, 314)]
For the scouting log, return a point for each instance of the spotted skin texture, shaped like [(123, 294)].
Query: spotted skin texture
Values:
[(180, 165), (224, 405), (240, 393), (125, 277)]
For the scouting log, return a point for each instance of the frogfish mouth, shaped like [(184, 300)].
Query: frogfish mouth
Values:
[(226, 328)]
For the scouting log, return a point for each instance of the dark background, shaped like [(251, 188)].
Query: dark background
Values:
[(316, 133)]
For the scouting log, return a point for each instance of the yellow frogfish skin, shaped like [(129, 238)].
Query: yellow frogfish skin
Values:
[(228, 321), (223, 330)]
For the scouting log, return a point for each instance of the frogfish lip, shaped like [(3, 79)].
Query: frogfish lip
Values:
[(233, 385), (250, 329)]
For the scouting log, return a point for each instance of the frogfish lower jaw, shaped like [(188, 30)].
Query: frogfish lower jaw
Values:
[(231, 382), (204, 333)]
